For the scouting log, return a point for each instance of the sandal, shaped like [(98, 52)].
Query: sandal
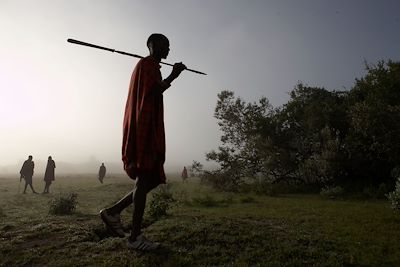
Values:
[(113, 223), (142, 243)]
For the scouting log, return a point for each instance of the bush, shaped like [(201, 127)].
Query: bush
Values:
[(332, 192), (2, 213), (63, 205), (207, 201), (160, 203), (383, 189), (394, 197), (223, 180), (247, 199)]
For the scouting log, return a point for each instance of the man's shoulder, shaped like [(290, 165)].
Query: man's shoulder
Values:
[(148, 62)]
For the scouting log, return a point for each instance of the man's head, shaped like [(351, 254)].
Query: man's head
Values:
[(30, 157), (49, 158), (158, 45)]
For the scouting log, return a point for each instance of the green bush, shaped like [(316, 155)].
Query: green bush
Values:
[(247, 199), (63, 205), (160, 203), (383, 189), (332, 192), (223, 180), (394, 197), (2, 213), (207, 201)]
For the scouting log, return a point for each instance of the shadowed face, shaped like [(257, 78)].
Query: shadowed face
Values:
[(160, 48), (164, 48)]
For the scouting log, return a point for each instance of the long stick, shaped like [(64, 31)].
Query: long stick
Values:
[(122, 52)]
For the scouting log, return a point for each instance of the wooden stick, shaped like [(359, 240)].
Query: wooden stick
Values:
[(122, 53)]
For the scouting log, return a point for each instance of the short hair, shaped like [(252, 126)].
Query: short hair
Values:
[(156, 37)]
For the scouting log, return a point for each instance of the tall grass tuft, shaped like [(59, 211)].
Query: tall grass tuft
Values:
[(63, 205), (161, 201), (332, 192), (2, 213), (394, 197)]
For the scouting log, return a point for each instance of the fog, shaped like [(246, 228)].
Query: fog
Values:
[(67, 101)]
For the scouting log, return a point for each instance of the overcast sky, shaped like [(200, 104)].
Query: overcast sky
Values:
[(68, 101)]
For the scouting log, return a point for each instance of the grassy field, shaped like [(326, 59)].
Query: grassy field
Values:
[(203, 228)]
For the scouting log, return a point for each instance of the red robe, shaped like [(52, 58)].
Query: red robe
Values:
[(143, 145)]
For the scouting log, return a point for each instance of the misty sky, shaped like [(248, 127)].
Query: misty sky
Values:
[(68, 101)]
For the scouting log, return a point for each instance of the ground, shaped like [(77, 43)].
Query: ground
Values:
[(203, 228)]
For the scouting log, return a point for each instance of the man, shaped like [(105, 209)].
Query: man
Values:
[(26, 172), (184, 174), (143, 147), (49, 174), (102, 172)]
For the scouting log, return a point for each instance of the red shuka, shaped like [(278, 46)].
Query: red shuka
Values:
[(143, 145)]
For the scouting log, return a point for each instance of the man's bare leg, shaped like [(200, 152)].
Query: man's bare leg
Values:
[(26, 185), (143, 186), (111, 216), (122, 204)]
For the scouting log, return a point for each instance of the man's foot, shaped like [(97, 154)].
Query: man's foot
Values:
[(113, 222), (142, 243), (35, 192)]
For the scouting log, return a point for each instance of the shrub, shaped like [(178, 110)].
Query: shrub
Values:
[(63, 205), (2, 213), (207, 201), (160, 203), (383, 189), (394, 197), (332, 192), (247, 199), (223, 180)]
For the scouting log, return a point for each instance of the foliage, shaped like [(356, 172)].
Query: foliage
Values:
[(319, 137), (161, 201), (225, 180), (63, 205), (394, 197), (247, 199), (196, 169), (206, 200), (2, 213), (332, 192)]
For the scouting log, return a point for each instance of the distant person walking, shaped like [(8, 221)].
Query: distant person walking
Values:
[(184, 174), (102, 172), (49, 174), (143, 146), (26, 173)]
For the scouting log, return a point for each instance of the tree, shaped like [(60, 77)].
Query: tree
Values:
[(318, 137), (373, 141)]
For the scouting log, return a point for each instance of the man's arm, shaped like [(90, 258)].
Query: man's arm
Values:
[(176, 71)]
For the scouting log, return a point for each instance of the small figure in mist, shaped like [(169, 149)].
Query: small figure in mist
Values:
[(143, 146), (102, 172), (49, 174), (26, 173), (184, 174)]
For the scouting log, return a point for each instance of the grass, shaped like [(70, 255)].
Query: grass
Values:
[(203, 228)]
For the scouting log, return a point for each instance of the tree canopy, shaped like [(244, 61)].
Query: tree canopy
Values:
[(348, 138)]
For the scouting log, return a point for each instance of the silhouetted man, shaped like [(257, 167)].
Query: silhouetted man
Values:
[(184, 174), (143, 146), (26, 172), (49, 174), (102, 172)]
